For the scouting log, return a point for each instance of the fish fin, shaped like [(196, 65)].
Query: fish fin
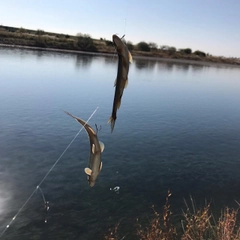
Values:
[(88, 171), (101, 146), (100, 168), (130, 57), (93, 148), (112, 121), (119, 103), (126, 83)]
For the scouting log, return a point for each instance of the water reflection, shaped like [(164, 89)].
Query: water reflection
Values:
[(165, 66), (4, 198), (144, 64), (171, 65), (189, 122), (83, 61), (198, 67), (111, 60), (39, 54), (182, 67)]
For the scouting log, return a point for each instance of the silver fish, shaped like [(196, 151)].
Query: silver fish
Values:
[(96, 148), (124, 58)]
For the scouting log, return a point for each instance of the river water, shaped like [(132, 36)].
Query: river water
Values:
[(178, 129)]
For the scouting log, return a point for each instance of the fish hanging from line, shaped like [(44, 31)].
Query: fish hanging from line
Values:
[(96, 148), (124, 58)]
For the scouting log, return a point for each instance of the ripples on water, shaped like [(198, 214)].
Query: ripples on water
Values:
[(177, 128)]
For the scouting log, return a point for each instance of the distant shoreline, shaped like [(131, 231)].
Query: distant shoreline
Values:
[(84, 44), (152, 58), (55, 50)]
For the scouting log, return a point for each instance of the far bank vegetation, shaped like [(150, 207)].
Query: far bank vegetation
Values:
[(83, 42)]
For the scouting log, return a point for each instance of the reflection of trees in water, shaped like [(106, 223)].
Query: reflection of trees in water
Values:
[(43, 53), (22, 52), (111, 60), (39, 53), (191, 66), (196, 67), (83, 61), (143, 63), (165, 66), (180, 66)]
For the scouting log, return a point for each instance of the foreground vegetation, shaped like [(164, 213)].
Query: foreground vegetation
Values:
[(83, 42), (197, 224)]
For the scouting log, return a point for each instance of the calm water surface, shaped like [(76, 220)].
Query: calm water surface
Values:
[(178, 128)]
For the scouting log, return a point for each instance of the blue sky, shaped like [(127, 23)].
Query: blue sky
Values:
[(208, 25)]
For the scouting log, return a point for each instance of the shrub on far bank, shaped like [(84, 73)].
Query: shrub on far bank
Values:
[(153, 46), (172, 50), (40, 41), (130, 45), (143, 46), (200, 53), (40, 32), (186, 50), (109, 43), (85, 42)]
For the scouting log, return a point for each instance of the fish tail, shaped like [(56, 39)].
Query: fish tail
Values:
[(68, 114), (112, 121)]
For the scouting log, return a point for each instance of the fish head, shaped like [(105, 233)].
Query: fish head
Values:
[(121, 48), (92, 175), (91, 181), (92, 178), (119, 45)]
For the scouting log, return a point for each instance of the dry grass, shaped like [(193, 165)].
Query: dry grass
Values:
[(113, 233), (201, 224), (197, 224), (227, 228), (160, 227)]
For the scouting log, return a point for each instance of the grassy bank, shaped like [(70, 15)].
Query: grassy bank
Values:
[(81, 42), (196, 224)]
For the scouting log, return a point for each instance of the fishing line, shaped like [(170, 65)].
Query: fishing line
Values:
[(38, 186), (46, 204), (125, 23), (114, 53), (44, 199)]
